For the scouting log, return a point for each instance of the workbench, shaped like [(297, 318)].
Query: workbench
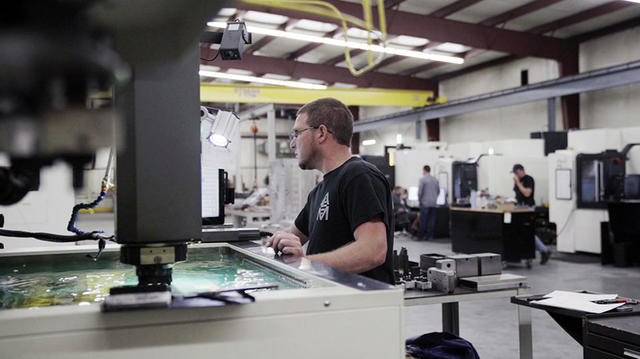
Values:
[(507, 232), (450, 307), (610, 335), (252, 217)]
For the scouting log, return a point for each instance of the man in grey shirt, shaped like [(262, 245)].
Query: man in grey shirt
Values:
[(427, 195)]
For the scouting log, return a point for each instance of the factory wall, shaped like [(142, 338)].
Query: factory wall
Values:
[(615, 107), (513, 122), (611, 108), (388, 136)]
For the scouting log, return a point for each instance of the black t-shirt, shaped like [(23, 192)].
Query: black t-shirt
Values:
[(528, 182), (350, 195)]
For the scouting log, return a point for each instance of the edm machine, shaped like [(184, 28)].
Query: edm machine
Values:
[(160, 293), (584, 182)]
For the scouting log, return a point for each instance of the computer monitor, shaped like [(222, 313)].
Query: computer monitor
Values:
[(413, 194), (212, 196)]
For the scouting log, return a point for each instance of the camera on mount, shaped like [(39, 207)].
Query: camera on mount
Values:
[(234, 38)]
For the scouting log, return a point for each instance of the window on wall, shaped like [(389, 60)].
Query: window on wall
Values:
[(524, 77)]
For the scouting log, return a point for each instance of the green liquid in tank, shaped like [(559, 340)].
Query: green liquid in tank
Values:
[(73, 279)]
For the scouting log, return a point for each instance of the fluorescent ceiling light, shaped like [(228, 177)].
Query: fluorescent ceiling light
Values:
[(226, 11), (368, 142), (344, 85), (412, 41), (317, 26), (245, 78), (452, 47), (342, 43), (265, 18), (277, 77), (361, 34)]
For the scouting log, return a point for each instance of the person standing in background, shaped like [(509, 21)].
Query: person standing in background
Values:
[(524, 188), (428, 190)]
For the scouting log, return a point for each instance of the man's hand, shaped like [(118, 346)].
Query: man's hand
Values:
[(285, 242), (516, 180)]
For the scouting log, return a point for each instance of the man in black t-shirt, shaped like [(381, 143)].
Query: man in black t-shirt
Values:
[(348, 217), (524, 187)]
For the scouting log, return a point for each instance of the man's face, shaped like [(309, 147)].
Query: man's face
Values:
[(519, 173), (303, 143)]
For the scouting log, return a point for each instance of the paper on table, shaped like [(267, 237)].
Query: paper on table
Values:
[(583, 296), (577, 304), (579, 301)]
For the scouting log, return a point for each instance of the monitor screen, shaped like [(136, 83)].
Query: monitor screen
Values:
[(212, 199), (413, 194)]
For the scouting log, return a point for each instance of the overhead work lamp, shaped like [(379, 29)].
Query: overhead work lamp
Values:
[(218, 126)]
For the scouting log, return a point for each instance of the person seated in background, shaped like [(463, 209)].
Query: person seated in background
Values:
[(399, 202), (403, 216)]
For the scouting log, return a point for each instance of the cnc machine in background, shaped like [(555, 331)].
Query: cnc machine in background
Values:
[(575, 205)]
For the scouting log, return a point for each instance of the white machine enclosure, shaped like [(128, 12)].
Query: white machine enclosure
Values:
[(325, 320), (574, 229), (578, 229)]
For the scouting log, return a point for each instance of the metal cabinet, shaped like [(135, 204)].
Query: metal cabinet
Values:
[(612, 337)]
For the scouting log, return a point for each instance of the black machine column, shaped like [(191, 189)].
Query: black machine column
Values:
[(158, 200)]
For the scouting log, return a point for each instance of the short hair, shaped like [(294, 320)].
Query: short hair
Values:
[(427, 168), (332, 113)]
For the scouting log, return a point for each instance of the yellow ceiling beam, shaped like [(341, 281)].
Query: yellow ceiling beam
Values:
[(286, 95)]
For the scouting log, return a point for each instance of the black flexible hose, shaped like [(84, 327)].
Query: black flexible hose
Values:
[(50, 237)]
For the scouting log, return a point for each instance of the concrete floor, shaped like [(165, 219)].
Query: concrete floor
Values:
[(491, 325)]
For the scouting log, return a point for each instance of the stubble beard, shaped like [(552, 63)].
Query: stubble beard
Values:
[(306, 163)]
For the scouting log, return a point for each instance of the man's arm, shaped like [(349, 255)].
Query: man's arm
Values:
[(526, 191), (367, 252), (420, 190)]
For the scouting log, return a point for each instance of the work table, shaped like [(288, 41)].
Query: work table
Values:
[(487, 210)]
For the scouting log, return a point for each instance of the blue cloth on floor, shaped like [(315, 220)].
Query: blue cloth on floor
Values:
[(440, 346)]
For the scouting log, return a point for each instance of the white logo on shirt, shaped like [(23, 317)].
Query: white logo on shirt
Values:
[(323, 211)]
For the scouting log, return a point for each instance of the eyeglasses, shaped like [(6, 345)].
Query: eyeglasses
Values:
[(295, 133)]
